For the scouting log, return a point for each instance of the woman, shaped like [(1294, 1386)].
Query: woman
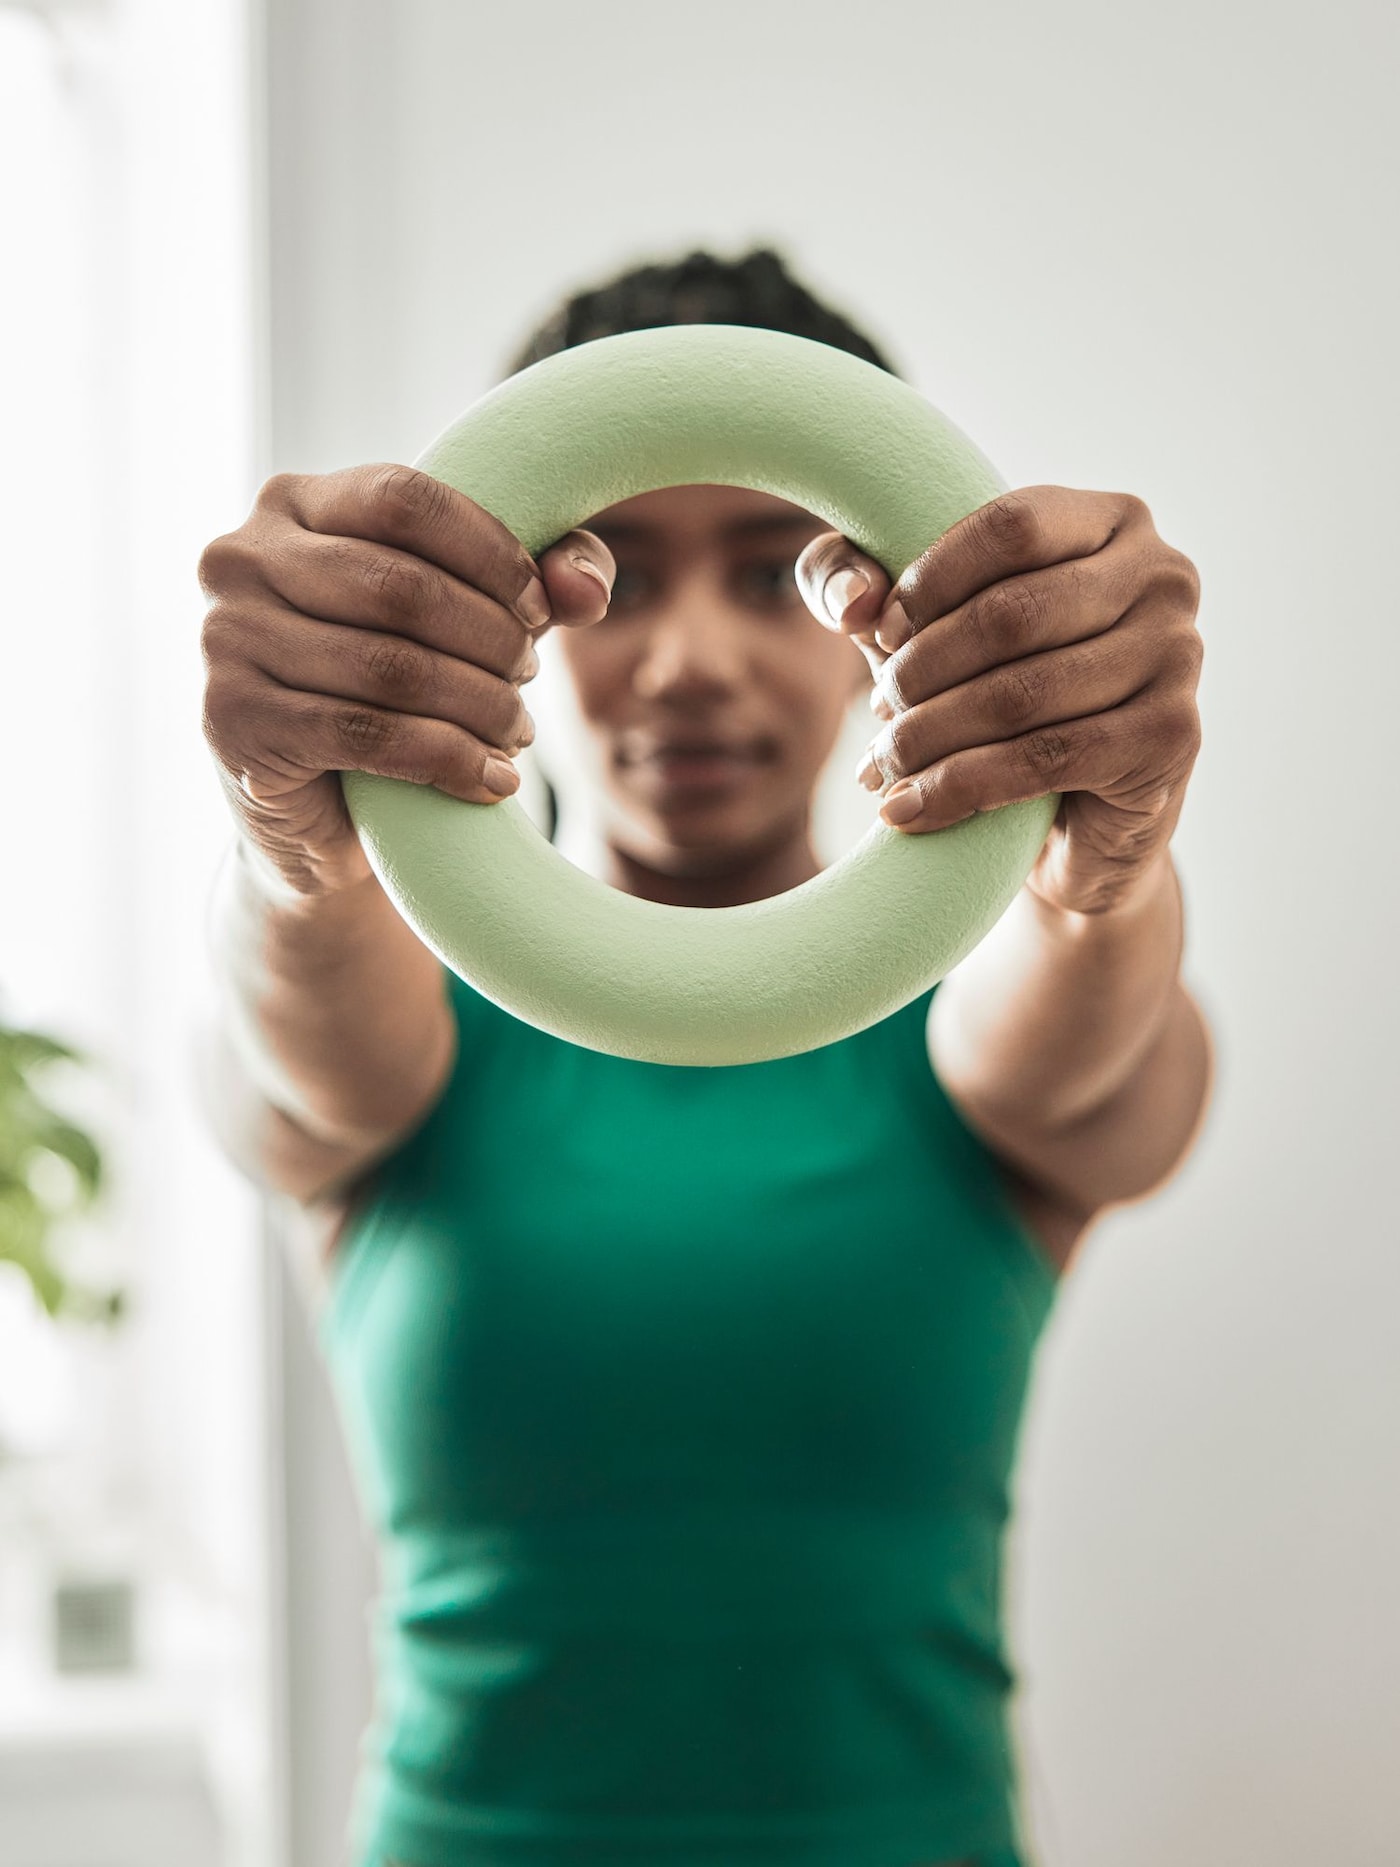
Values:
[(685, 1400)]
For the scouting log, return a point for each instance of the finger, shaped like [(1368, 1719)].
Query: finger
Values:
[(1016, 697), (337, 579), (842, 587), (312, 733), (1111, 754), (875, 659), (1016, 533), (1045, 610), (578, 572), (389, 504), (386, 671)]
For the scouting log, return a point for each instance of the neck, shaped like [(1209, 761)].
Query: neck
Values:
[(727, 879), (752, 876)]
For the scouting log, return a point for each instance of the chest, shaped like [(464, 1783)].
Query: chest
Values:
[(687, 1288)]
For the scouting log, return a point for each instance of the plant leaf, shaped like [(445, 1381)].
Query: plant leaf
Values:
[(30, 1129), (28, 1050), (60, 1137)]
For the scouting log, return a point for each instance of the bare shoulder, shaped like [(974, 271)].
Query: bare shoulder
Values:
[(311, 1234), (326, 1224), (1055, 1226), (1055, 1223)]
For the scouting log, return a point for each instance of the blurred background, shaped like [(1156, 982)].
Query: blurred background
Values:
[(1123, 247)]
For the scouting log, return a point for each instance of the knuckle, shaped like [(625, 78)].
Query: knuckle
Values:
[(1185, 651), (219, 709), (341, 559), (1046, 752), (1011, 522), (1180, 575), (224, 561), (405, 498), (229, 717), (398, 586), (395, 668), (279, 490), (210, 567), (887, 684), (1007, 618), (366, 730), (897, 736), (1181, 725), (1018, 692), (214, 635), (503, 714)]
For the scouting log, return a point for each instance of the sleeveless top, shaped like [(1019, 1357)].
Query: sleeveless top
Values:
[(683, 1402)]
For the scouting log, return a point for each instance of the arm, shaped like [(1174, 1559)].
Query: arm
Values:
[(370, 620), (1069, 1041), (1047, 643), (335, 1034)]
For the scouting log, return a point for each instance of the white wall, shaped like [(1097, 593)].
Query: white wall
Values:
[(127, 409), (1123, 248)]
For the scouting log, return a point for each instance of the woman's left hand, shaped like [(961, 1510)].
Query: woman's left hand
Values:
[(1047, 642)]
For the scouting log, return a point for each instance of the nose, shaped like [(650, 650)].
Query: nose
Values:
[(696, 650)]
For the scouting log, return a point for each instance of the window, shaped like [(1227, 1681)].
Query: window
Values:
[(129, 408)]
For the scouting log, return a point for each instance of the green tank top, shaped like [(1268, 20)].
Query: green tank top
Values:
[(684, 1404)]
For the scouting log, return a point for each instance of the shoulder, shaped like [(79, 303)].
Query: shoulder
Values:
[(1055, 1223), (308, 1236), (1056, 1227)]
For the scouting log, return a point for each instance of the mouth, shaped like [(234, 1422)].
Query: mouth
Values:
[(695, 764)]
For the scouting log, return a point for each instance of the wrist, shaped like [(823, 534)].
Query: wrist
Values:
[(305, 887), (1142, 898)]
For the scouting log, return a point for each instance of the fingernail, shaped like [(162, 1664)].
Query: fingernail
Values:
[(879, 705), (590, 569), (533, 604), (869, 774), (901, 803), (894, 629), (841, 589), (500, 777)]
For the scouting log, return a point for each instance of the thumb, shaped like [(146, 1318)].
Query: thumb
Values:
[(844, 589), (578, 572)]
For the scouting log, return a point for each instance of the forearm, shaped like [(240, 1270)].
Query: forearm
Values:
[(1052, 1014), (332, 1004)]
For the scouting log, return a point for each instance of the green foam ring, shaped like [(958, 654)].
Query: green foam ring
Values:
[(684, 405)]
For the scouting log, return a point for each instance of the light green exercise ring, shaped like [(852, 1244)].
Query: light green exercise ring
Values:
[(701, 404)]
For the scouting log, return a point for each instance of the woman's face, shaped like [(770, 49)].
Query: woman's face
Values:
[(712, 695)]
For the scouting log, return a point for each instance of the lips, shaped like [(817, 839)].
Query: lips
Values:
[(659, 751), (690, 766)]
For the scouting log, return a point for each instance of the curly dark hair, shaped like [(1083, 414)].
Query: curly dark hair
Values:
[(757, 289)]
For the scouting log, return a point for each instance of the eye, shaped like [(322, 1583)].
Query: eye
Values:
[(770, 579), (629, 587)]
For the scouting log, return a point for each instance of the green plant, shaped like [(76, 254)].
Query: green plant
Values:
[(50, 1169)]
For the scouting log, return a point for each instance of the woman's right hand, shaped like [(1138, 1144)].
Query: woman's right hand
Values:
[(374, 620)]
